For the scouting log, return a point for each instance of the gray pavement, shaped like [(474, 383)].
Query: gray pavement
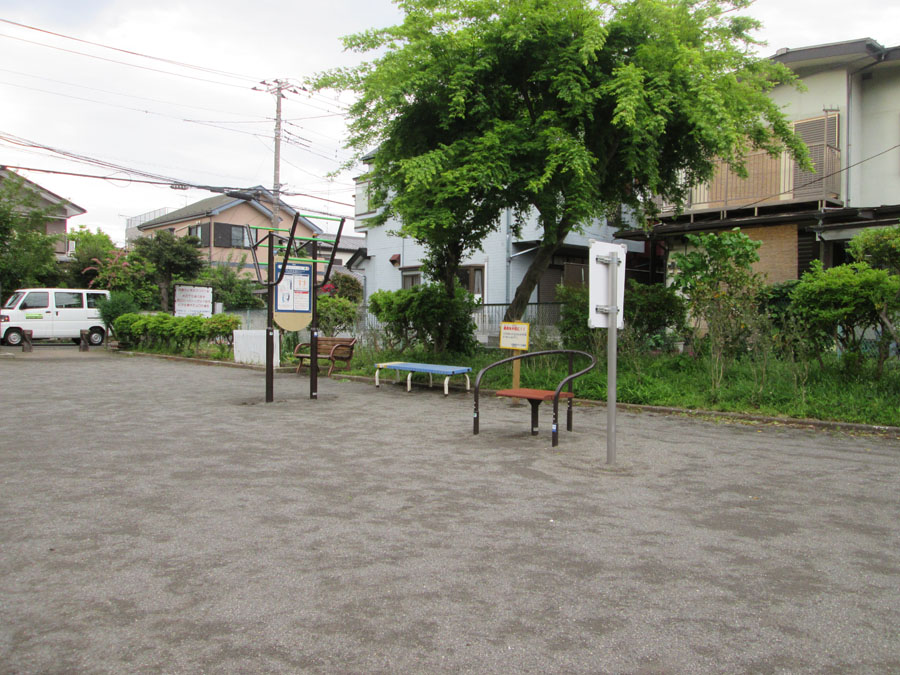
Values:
[(157, 516)]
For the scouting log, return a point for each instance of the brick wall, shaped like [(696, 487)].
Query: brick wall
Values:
[(778, 253)]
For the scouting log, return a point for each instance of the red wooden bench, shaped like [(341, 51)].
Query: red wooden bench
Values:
[(537, 396)]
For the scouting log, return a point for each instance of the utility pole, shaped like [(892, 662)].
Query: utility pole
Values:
[(277, 88)]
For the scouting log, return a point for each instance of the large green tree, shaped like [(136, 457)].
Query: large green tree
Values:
[(170, 257), (27, 256), (564, 108), (89, 247)]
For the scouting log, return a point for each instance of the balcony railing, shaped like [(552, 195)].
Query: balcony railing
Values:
[(770, 180)]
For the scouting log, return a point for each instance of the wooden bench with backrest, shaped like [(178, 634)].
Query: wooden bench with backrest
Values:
[(333, 349), (536, 396)]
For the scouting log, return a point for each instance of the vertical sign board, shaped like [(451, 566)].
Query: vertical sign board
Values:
[(599, 284), (606, 265), (293, 296), (193, 300)]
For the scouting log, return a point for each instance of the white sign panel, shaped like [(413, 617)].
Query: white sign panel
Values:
[(294, 292), (599, 284), (193, 300), (514, 335)]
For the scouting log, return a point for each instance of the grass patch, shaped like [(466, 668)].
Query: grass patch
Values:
[(826, 392)]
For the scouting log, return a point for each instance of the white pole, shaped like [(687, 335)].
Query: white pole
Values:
[(611, 347)]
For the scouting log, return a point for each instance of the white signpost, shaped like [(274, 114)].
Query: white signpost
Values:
[(193, 300), (606, 300)]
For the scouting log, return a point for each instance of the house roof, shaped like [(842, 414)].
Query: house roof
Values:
[(212, 206), (858, 53), (71, 209)]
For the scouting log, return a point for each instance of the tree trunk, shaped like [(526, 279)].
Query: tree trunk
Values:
[(529, 282), (536, 270), (164, 295)]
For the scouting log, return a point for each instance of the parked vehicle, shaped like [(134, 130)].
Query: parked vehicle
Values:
[(52, 313)]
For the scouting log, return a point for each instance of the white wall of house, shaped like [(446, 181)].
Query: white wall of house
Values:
[(504, 257), (877, 180), (872, 97)]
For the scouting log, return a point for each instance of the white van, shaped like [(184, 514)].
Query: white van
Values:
[(52, 313)]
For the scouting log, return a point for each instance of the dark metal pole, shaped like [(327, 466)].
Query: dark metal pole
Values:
[(270, 322), (314, 327)]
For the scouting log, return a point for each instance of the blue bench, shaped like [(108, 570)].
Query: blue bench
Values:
[(429, 368)]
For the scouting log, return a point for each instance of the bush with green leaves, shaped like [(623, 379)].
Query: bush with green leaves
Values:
[(230, 288), (843, 302), (123, 327), (425, 315), (169, 333), (220, 327), (650, 313), (347, 286), (336, 314), (116, 305)]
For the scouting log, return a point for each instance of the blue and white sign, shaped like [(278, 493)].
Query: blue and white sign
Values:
[(294, 292)]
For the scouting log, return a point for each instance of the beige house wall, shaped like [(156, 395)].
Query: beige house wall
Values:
[(241, 214), (778, 253)]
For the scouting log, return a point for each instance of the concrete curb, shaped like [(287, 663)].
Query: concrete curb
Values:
[(824, 425)]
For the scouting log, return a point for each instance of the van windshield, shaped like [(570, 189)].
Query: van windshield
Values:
[(13, 299)]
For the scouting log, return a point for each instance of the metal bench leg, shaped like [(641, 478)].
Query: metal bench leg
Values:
[(534, 416)]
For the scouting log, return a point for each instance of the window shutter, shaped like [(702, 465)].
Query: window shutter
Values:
[(222, 235), (204, 235), (818, 139)]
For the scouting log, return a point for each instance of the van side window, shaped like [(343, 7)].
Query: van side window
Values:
[(13, 299), (93, 299), (36, 300), (68, 300)]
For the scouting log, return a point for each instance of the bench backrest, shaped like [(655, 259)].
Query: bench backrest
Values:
[(326, 344)]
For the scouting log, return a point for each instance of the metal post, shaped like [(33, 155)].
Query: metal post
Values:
[(611, 347), (270, 258), (314, 327)]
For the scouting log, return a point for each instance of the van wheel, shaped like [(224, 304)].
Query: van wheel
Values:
[(96, 337), (14, 337)]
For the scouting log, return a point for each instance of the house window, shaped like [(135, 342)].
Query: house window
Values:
[(411, 278), (226, 235), (472, 279), (363, 198), (201, 231)]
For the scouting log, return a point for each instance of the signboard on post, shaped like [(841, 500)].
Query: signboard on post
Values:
[(599, 284), (514, 335), (606, 265), (193, 300), (293, 296)]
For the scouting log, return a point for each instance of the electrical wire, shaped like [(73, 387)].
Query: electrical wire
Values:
[(124, 63), (211, 71)]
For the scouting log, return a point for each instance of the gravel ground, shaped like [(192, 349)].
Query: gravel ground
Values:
[(157, 516)]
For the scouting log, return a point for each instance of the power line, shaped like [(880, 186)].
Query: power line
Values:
[(125, 63), (115, 93), (182, 64)]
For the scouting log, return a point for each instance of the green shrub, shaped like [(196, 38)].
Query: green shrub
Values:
[(425, 315), (116, 305), (335, 314), (187, 331), (347, 286), (123, 326), (652, 309), (221, 327), (573, 318)]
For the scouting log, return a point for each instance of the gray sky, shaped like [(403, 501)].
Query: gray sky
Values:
[(212, 128)]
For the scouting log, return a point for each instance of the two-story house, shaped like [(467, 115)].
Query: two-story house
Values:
[(849, 116), (59, 209), (219, 223)]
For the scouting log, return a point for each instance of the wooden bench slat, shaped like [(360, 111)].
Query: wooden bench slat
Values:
[(534, 394)]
